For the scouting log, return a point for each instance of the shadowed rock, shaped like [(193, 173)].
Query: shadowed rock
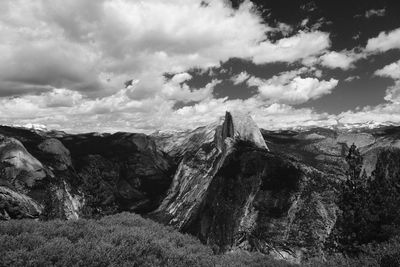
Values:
[(15, 205), (202, 171), (232, 193), (55, 153)]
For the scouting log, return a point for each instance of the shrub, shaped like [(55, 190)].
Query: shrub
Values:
[(117, 240)]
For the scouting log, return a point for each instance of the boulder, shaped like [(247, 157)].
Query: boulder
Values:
[(55, 154), (20, 169), (14, 205)]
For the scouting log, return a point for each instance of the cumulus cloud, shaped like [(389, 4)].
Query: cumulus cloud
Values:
[(284, 28), (384, 41), (383, 113), (391, 70), (343, 60), (393, 93), (64, 63), (291, 49), (271, 117), (240, 78), (120, 113), (291, 88), (177, 89)]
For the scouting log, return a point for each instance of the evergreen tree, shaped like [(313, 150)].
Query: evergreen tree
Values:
[(369, 205), (352, 200)]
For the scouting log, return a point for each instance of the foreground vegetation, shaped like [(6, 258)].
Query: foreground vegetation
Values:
[(118, 240), (129, 240)]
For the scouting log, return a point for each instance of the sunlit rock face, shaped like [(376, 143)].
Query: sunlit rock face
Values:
[(14, 205), (234, 194), (33, 188), (202, 161), (20, 174), (20, 168), (240, 126)]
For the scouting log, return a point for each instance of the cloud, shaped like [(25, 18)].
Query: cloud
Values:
[(271, 117), (375, 13), (291, 88), (384, 113), (391, 70), (120, 113), (284, 28), (291, 49), (352, 78), (240, 78), (176, 89), (64, 64), (343, 60), (384, 42), (393, 93)]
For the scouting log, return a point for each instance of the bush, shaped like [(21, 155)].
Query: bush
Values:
[(119, 240)]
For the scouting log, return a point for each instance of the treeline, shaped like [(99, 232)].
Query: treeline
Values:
[(369, 222)]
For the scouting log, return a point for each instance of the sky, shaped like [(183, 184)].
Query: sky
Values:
[(142, 66)]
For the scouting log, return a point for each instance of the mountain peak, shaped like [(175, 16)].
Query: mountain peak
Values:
[(239, 125)]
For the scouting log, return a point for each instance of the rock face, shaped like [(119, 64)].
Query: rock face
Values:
[(56, 154), (18, 206), (232, 193), (30, 188), (80, 175), (120, 171), (201, 163), (20, 168), (239, 126)]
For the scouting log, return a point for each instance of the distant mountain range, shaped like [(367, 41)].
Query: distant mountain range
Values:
[(231, 184)]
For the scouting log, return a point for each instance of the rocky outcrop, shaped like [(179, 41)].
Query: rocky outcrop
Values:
[(15, 205), (216, 180), (20, 169), (240, 126), (82, 175), (33, 188), (233, 193), (118, 172), (53, 152), (200, 164)]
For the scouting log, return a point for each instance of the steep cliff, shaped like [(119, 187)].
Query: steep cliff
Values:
[(233, 193), (80, 175), (29, 187), (119, 171), (201, 162)]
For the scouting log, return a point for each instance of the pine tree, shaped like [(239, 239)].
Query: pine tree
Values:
[(369, 205), (352, 202)]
